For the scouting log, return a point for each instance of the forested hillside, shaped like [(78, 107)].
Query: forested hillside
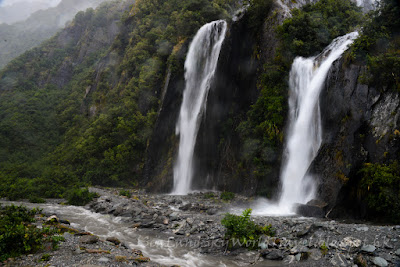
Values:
[(97, 103), (80, 108)]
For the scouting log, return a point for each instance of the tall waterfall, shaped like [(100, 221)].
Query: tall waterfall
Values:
[(200, 66), (307, 78)]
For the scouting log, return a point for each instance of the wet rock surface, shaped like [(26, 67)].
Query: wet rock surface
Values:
[(298, 241)]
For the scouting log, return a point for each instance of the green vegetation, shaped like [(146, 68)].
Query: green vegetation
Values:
[(324, 249), (379, 47), (35, 199), (242, 231), (256, 12), (80, 197), (125, 193), (45, 257), (227, 196), (18, 235), (209, 195), (306, 33), (79, 111), (380, 185), (314, 26)]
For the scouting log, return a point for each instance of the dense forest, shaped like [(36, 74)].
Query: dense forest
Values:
[(81, 108)]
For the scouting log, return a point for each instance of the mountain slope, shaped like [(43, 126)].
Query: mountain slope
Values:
[(19, 37)]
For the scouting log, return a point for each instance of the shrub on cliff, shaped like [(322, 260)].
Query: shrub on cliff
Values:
[(379, 47), (314, 26), (380, 185)]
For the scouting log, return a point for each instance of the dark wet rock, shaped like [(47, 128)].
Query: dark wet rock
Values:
[(186, 207), (117, 211), (83, 233), (317, 203), (147, 224), (310, 210), (65, 222), (113, 240), (161, 219), (89, 239), (274, 254), (212, 211)]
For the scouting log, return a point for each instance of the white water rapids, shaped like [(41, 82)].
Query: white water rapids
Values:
[(200, 65), (158, 246)]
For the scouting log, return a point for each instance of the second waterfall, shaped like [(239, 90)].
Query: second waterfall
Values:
[(200, 65), (307, 78)]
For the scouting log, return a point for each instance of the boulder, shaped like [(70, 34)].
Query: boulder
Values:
[(186, 207), (318, 203), (368, 249), (113, 240), (89, 239), (381, 262), (307, 210), (274, 254)]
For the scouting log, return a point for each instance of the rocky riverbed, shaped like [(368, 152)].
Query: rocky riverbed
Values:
[(163, 224)]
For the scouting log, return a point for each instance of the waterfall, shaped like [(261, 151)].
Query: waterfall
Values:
[(200, 66), (307, 78)]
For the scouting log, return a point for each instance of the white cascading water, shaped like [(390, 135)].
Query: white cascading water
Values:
[(307, 78), (200, 65)]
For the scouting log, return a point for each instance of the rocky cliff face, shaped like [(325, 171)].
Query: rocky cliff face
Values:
[(360, 125), (234, 90)]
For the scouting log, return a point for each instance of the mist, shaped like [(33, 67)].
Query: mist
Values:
[(25, 24), (12, 11)]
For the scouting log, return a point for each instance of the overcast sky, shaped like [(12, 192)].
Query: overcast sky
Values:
[(11, 2)]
